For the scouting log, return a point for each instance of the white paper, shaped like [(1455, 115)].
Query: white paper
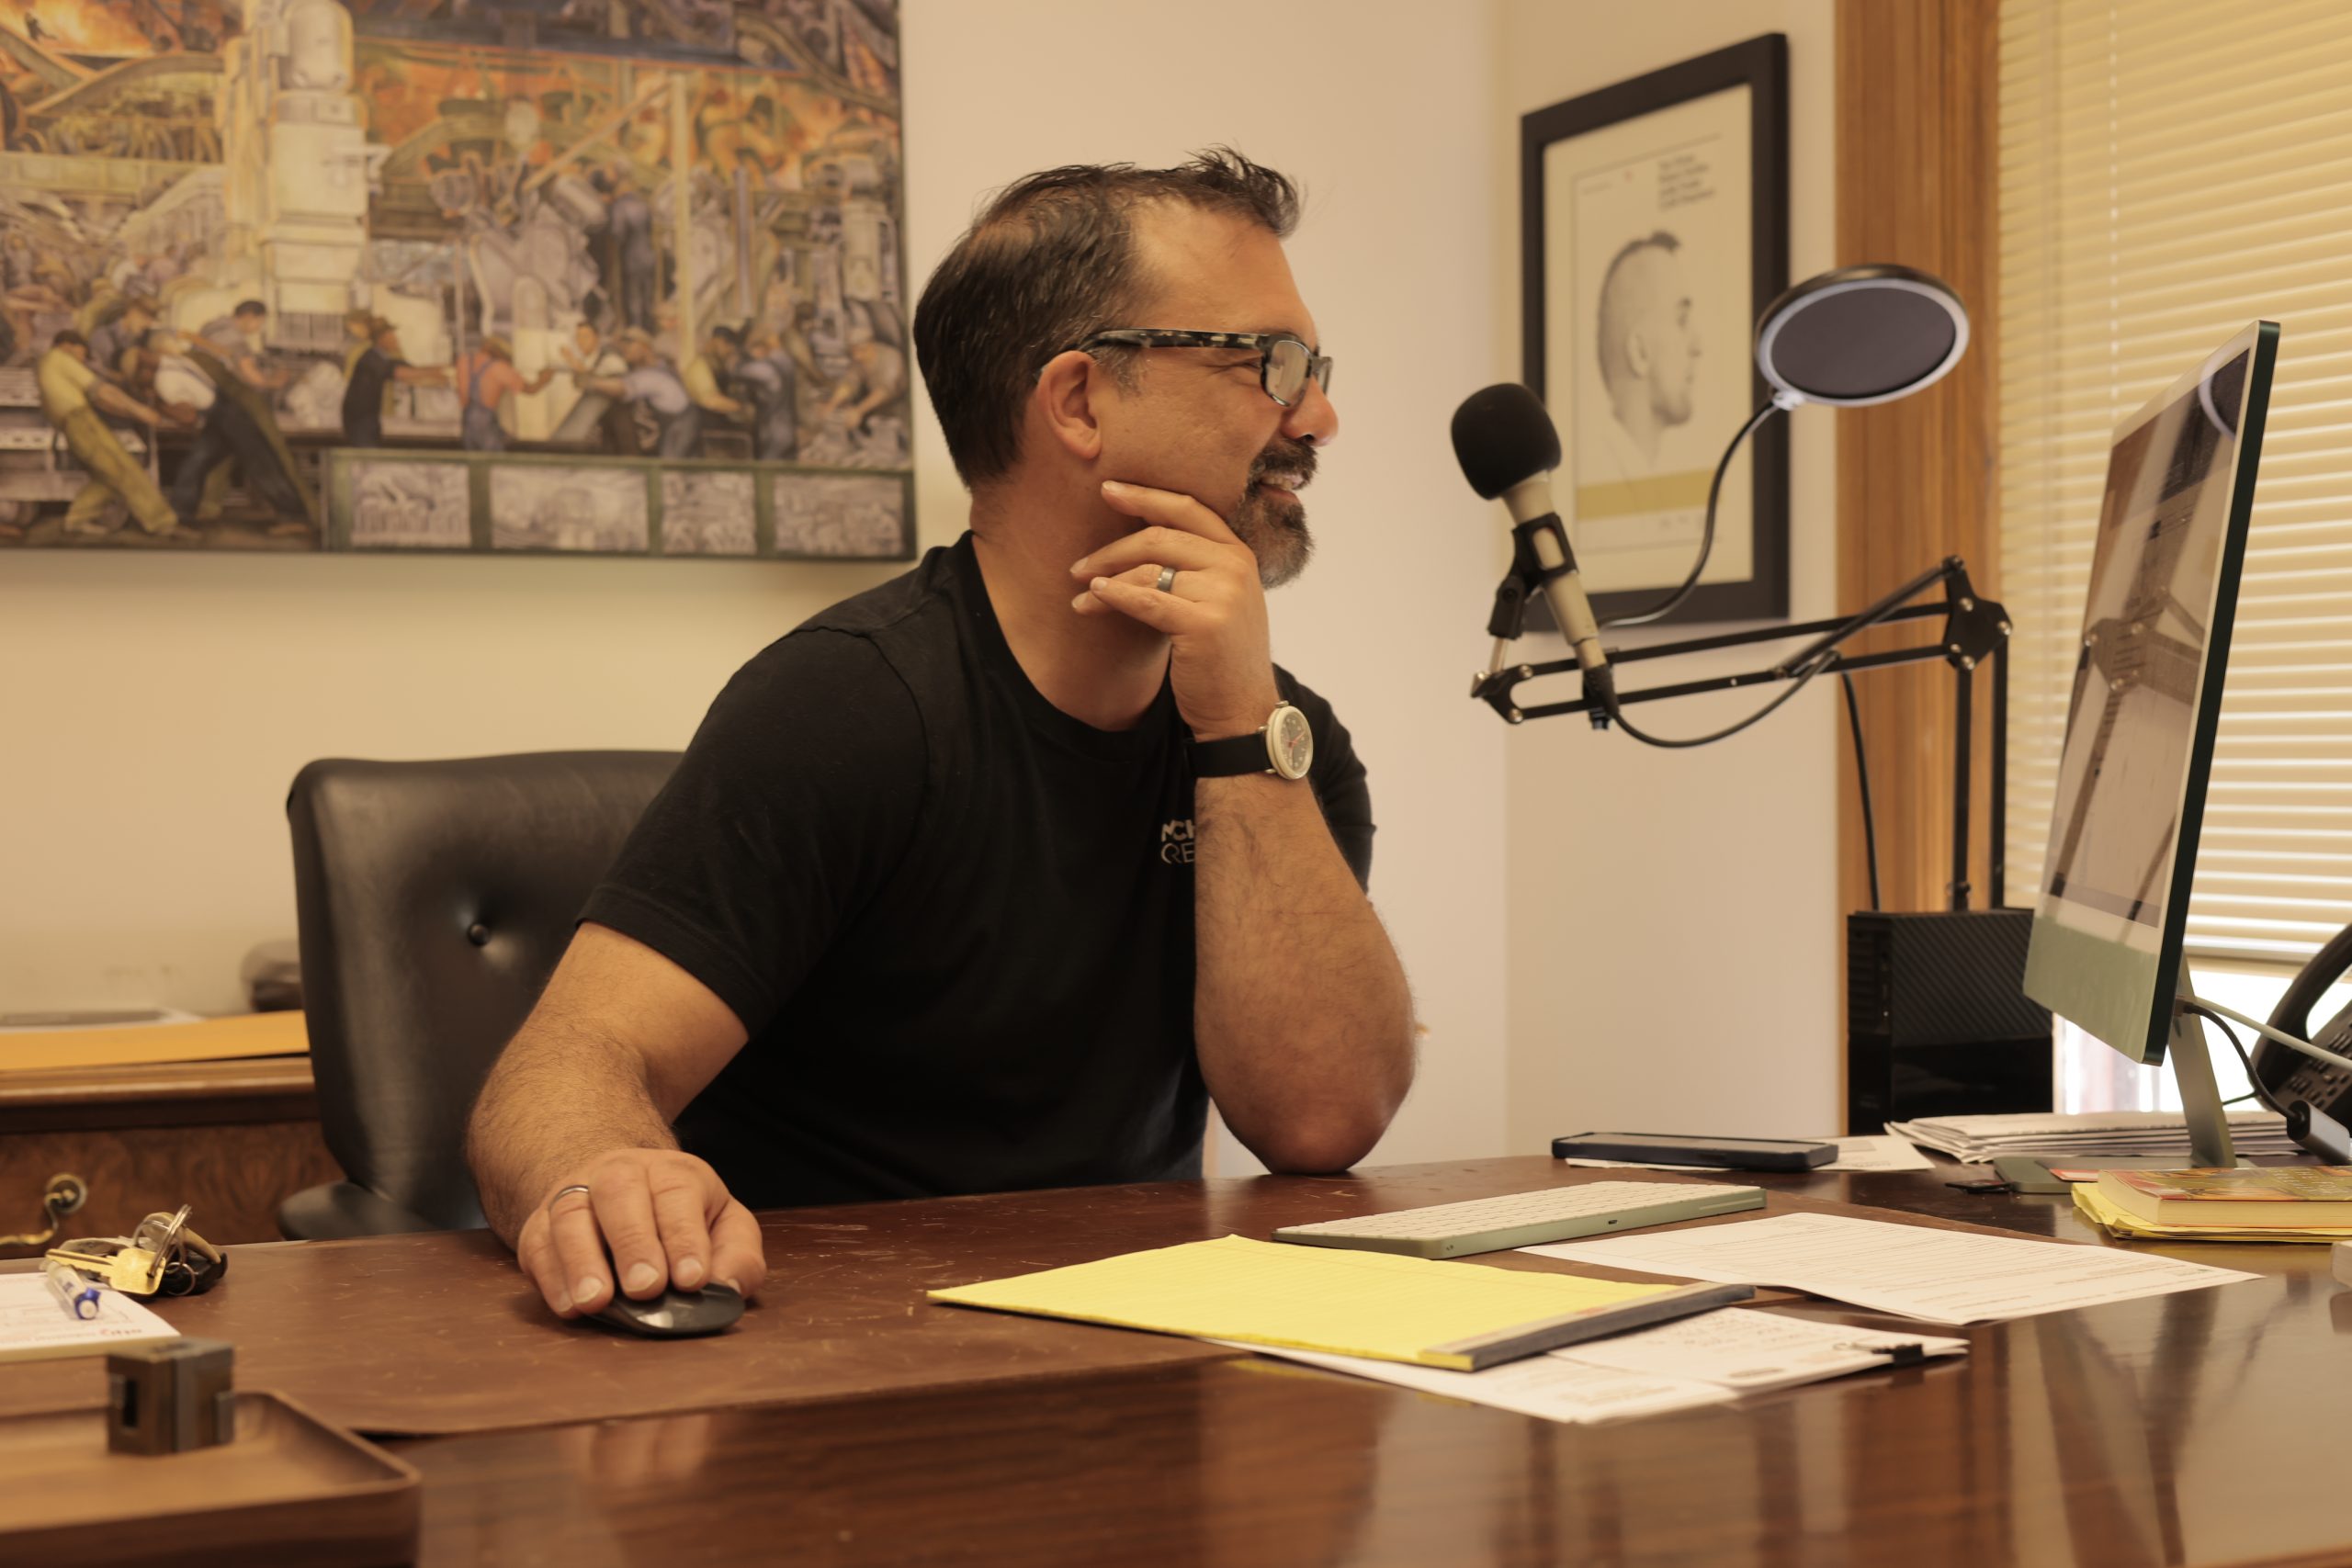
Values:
[(1937, 1276), (1542, 1386), (1703, 1360), (1876, 1152), (35, 1327), (1744, 1349)]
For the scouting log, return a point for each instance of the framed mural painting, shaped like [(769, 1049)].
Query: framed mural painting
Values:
[(497, 276), (1654, 232)]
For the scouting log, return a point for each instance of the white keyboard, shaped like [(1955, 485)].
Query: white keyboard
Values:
[(1527, 1219)]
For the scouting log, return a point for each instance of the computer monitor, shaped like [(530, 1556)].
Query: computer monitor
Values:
[(2106, 949)]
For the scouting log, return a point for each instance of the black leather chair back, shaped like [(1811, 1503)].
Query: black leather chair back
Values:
[(433, 900)]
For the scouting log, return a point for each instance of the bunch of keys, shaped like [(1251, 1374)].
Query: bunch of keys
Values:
[(163, 1257)]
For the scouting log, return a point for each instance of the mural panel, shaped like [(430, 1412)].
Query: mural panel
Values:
[(261, 259)]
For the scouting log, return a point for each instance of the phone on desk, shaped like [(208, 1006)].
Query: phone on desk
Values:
[(2290, 1077), (1675, 1148)]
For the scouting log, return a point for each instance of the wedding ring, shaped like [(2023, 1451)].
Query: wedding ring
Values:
[(1167, 583), (576, 1187)]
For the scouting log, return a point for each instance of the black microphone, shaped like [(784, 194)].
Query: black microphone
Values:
[(1508, 448)]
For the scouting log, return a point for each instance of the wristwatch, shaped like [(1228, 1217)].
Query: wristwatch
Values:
[(1283, 746)]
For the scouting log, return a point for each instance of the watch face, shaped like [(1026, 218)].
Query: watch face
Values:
[(1290, 742)]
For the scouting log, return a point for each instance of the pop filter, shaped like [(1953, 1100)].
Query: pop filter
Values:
[(1858, 336)]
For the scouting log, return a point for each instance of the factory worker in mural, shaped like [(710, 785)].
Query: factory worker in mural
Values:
[(72, 394)]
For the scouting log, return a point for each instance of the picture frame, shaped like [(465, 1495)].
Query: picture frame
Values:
[(1654, 230)]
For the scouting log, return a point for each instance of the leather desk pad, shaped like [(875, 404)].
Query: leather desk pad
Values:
[(441, 1333)]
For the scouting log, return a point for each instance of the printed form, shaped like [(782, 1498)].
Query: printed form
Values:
[(1705, 1359), (1937, 1276)]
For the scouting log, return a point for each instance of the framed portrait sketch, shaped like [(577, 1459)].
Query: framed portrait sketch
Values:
[(1654, 230)]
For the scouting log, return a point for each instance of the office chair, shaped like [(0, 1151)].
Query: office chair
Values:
[(433, 900)]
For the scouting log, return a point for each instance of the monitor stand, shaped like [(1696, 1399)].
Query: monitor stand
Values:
[(2210, 1146)]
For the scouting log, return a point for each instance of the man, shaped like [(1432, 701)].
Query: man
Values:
[(112, 342), (71, 395), (628, 229), (649, 384), (363, 395), (237, 338), (906, 920), (770, 383), (1648, 349), (721, 350), (486, 378), (590, 357), (238, 427)]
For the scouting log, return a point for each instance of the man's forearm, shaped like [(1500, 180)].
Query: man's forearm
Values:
[(1300, 1008), (553, 1102)]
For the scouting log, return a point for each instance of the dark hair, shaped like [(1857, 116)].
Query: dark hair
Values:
[(68, 337), (250, 308), (1051, 260), (1608, 339)]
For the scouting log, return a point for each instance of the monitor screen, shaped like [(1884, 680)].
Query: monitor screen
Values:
[(2147, 693)]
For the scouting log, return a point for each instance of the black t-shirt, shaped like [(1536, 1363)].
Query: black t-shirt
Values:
[(956, 921)]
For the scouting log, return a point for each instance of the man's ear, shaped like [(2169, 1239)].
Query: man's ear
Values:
[(1637, 353), (1064, 402)]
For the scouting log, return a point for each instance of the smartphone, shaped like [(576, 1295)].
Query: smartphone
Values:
[(1675, 1148)]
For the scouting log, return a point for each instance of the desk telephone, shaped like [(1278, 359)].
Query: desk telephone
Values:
[(2315, 1096)]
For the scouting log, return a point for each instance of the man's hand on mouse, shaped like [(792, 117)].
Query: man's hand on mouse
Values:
[(666, 1218)]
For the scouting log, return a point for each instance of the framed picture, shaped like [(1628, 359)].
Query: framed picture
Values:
[(619, 277), (1654, 230)]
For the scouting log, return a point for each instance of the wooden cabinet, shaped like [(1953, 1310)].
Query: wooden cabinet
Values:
[(230, 1138)]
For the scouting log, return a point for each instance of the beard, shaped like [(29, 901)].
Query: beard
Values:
[(1270, 521)]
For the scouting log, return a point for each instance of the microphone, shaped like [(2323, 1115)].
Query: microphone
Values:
[(1508, 448)]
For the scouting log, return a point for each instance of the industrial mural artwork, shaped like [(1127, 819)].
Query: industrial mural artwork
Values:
[(603, 276)]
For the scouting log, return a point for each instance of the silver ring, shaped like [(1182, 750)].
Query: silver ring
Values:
[(575, 1186), (1167, 583)]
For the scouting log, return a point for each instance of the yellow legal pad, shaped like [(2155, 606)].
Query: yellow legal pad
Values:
[(1308, 1298)]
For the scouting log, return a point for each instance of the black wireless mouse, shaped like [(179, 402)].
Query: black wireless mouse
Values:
[(673, 1314)]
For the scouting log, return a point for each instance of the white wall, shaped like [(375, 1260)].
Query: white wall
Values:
[(155, 707), (1672, 915)]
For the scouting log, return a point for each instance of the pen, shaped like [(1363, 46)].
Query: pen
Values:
[(74, 1291), (1908, 1353)]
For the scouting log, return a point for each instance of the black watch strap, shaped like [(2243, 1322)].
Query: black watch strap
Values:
[(1231, 757)]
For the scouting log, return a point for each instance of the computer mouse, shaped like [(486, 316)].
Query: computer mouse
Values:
[(673, 1314)]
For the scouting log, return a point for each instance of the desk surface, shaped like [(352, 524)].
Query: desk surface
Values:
[(2173, 1429)]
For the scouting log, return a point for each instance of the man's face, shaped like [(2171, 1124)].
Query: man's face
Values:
[(1198, 422), (1666, 340), (585, 335), (249, 323), (388, 343)]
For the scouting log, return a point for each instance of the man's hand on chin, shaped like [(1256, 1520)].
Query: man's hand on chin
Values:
[(1212, 610)]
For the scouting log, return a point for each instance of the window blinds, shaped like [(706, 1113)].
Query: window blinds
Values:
[(2171, 170)]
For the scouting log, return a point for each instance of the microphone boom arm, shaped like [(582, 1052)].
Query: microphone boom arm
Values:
[(1974, 629)]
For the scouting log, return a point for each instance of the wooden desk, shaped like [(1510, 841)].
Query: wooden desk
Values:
[(2174, 1429)]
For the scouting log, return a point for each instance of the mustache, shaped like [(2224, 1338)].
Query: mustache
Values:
[(1285, 457)]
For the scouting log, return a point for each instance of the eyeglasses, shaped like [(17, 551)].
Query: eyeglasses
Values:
[(1284, 363)]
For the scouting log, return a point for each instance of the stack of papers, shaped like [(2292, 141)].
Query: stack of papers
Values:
[(2130, 1134), (1706, 1360)]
